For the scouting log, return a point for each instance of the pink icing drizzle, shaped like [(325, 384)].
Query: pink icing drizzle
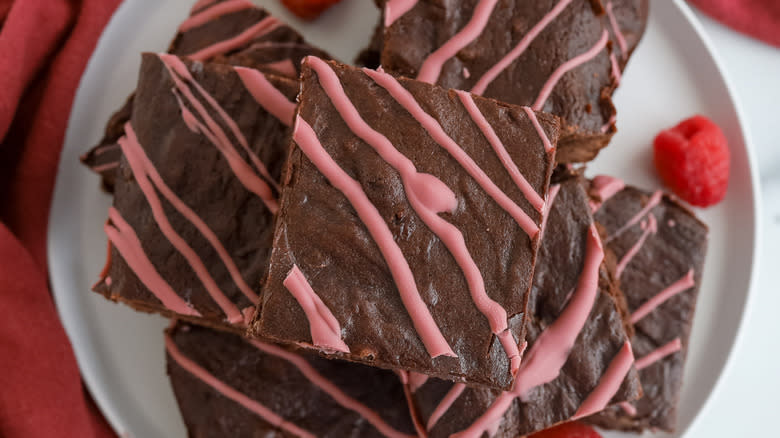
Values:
[(426, 327), (569, 65), (108, 281), (211, 130), (683, 284), (654, 200), (324, 327), (615, 69), (434, 129), (445, 404), (256, 407), (257, 30), (659, 353), (431, 67), (553, 193), (107, 166), (124, 239), (610, 122), (213, 13), (104, 148), (530, 194), (628, 408), (285, 67), (605, 187), (649, 227), (518, 50), (416, 380), (539, 130), (413, 413), (394, 9), (621, 40), (130, 148), (201, 4), (466, 73), (608, 384), (266, 95)]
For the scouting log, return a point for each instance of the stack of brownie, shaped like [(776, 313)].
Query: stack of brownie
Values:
[(404, 250)]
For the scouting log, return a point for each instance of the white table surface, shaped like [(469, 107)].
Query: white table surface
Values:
[(746, 401)]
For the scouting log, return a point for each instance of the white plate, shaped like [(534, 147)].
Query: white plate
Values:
[(120, 352)]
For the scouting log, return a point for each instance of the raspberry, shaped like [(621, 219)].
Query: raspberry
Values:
[(693, 161), (573, 429), (308, 9)]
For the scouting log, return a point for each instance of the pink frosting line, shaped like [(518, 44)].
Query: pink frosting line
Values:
[(107, 166), (130, 148), (518, 50), (615, 69), (610, 122), (100, 150), (257, 30), (445, 404), (431, 67), (285, 67), (214, 12), (659, 353), (214, 132), (426, 327), (413, 413), (651, 227), (434, 129), (266, 95), (324, 327), (124, 239), (608, 384), (487, 130), (416, 380), (628, 408), (621, 40), (330, 388), (200, 4), (567, 66), (654, 200), (539, 130), (605, 187), (683, 284), (221, 387), (133, 150), (553, 193), (394, 9)]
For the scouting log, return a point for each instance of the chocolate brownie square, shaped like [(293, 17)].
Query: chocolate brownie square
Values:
[(191, 227), (560, 56), (232, 32), (578, 359), (228, 386), (660, 246), (408, 226)]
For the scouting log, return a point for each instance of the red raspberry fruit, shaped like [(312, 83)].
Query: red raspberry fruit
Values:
[(573, 429), (308, 9), (693, 161)]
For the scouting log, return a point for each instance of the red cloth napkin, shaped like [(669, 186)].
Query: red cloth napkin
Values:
[(44, 48), (757, 18)]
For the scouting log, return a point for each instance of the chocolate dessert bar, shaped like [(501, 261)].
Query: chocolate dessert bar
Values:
[(408, 227), (191, 227), (225, 31), (228, 386), (560, 56), (660, 247), (578, 359)]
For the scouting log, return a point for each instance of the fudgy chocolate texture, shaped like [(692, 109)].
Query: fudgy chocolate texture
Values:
[(267, 52), (581, 97), (319, 231), (199, 174), (281, 387), (678, 246), (560, 263)]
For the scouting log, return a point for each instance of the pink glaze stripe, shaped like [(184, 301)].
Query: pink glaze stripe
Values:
[(136, 152), (330, 388), (512, 350), (253, 406), (661, 352), (539, 130), (605, 187), (609, 383), (615, 69), (683, 284), (262, 27), (445, 404), (124, 239), (416, 380), (651, 227), (105, 167), (654, 200), (201, 4), (431, 67), (266, 95), (214, 132), (214, 12), (552, 194), (487, 130), (610, 122), (130, 148), (394, 9), (566, 67), (518, 50), (434, 129), (100, 150), (628, 408), (426, 327), (324, 327), (621, 40), (285, 67), (419, 427)]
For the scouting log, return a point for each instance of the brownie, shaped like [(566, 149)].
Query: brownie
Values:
[(553, 55), (225, 31), (563, 367), (661, 247), (227, 386), (191, 226), (349, 290)]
